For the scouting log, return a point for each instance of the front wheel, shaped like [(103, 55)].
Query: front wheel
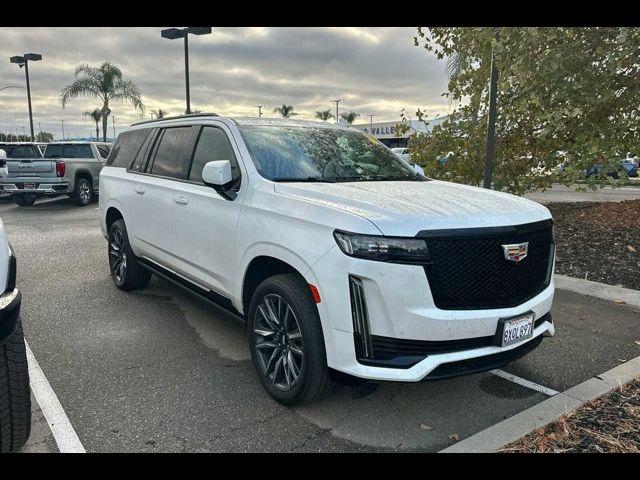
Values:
[(83, 193), (24, 199), (126, 271), (286, 341), (15, 395)]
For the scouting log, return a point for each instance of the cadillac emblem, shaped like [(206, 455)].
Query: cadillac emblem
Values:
[(516, 251)]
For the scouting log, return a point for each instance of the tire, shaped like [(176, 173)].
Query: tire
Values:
[(83, 192), (313, 381), (15, 394), (126, 271), (24, 199)]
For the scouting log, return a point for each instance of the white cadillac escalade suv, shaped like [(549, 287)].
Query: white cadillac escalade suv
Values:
[(343, 262)]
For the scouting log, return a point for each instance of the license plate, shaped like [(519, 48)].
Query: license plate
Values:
[(516, 329), (29, 186)]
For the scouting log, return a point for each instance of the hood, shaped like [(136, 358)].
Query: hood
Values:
[(405, 208)]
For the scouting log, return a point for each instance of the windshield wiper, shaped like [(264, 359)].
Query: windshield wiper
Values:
[(376, 178), (303, 179)]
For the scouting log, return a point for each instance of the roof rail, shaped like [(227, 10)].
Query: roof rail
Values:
[(188, 115)]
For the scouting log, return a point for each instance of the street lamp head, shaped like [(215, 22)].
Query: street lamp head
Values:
[(34, 57), (199, 30), (17, 59), (173, 33)]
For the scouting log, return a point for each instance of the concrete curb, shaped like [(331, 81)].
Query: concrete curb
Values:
[(598, 290), (523, 423)]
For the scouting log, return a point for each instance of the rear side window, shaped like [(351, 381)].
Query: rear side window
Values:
[(103, 150), (126, 148), (68, 151), (173, 152), (213, 144)]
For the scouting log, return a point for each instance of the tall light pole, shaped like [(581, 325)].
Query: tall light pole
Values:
[(259, 110), (113, 122), (175, 33), (371, 123), (491, 119), (337, 102), (62, 129), (23, 61)]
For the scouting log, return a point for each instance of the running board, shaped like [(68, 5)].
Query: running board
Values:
[(214, 298)]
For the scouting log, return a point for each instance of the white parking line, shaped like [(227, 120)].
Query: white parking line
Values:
[(525, 383), (63, 433)]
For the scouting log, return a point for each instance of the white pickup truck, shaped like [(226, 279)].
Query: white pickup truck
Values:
[(71, 168)]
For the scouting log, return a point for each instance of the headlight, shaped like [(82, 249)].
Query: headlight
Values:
[(383, 249)]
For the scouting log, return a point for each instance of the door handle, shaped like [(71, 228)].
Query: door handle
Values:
[(138, 189), (181, 200)]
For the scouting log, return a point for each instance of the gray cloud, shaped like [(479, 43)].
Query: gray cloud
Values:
[(375, 70)]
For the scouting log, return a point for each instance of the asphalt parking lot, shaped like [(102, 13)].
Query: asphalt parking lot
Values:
[(160, 370)]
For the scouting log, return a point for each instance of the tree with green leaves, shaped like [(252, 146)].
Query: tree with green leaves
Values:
[(96, 116), (349, 117), (106, 83), (285, 111), (566, 95), (324, 115)]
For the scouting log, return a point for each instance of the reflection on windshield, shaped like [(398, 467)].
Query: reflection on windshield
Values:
[(321, 155)]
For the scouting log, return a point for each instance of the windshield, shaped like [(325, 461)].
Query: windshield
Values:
[(20, 151), (298, 154), (68, 151)]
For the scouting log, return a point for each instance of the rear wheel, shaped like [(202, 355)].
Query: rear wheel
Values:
[(83, 193), (24, 199), (286, 341), (126, 272), (15, 395)]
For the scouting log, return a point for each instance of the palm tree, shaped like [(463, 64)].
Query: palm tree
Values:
[(285, 110), (159, 113), (350, 117), (324, 115), (106, 83), (95, 115)]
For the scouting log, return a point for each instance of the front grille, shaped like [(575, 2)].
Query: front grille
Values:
[(468, 269)]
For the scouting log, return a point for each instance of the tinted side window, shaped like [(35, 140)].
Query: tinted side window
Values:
[(173, 152), (213, 144), (140, 161), (103, 150), (126, 148)]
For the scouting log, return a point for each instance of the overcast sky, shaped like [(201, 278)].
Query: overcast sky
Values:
[(374, 70)]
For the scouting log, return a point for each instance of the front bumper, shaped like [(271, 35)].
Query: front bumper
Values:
[(400, 306), (9, 313)]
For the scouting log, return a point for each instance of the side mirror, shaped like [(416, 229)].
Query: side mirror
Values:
[(218, 176)]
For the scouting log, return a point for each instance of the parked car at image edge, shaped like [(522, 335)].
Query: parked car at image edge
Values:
[(344, 263), (15, 394), (71, 168)]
